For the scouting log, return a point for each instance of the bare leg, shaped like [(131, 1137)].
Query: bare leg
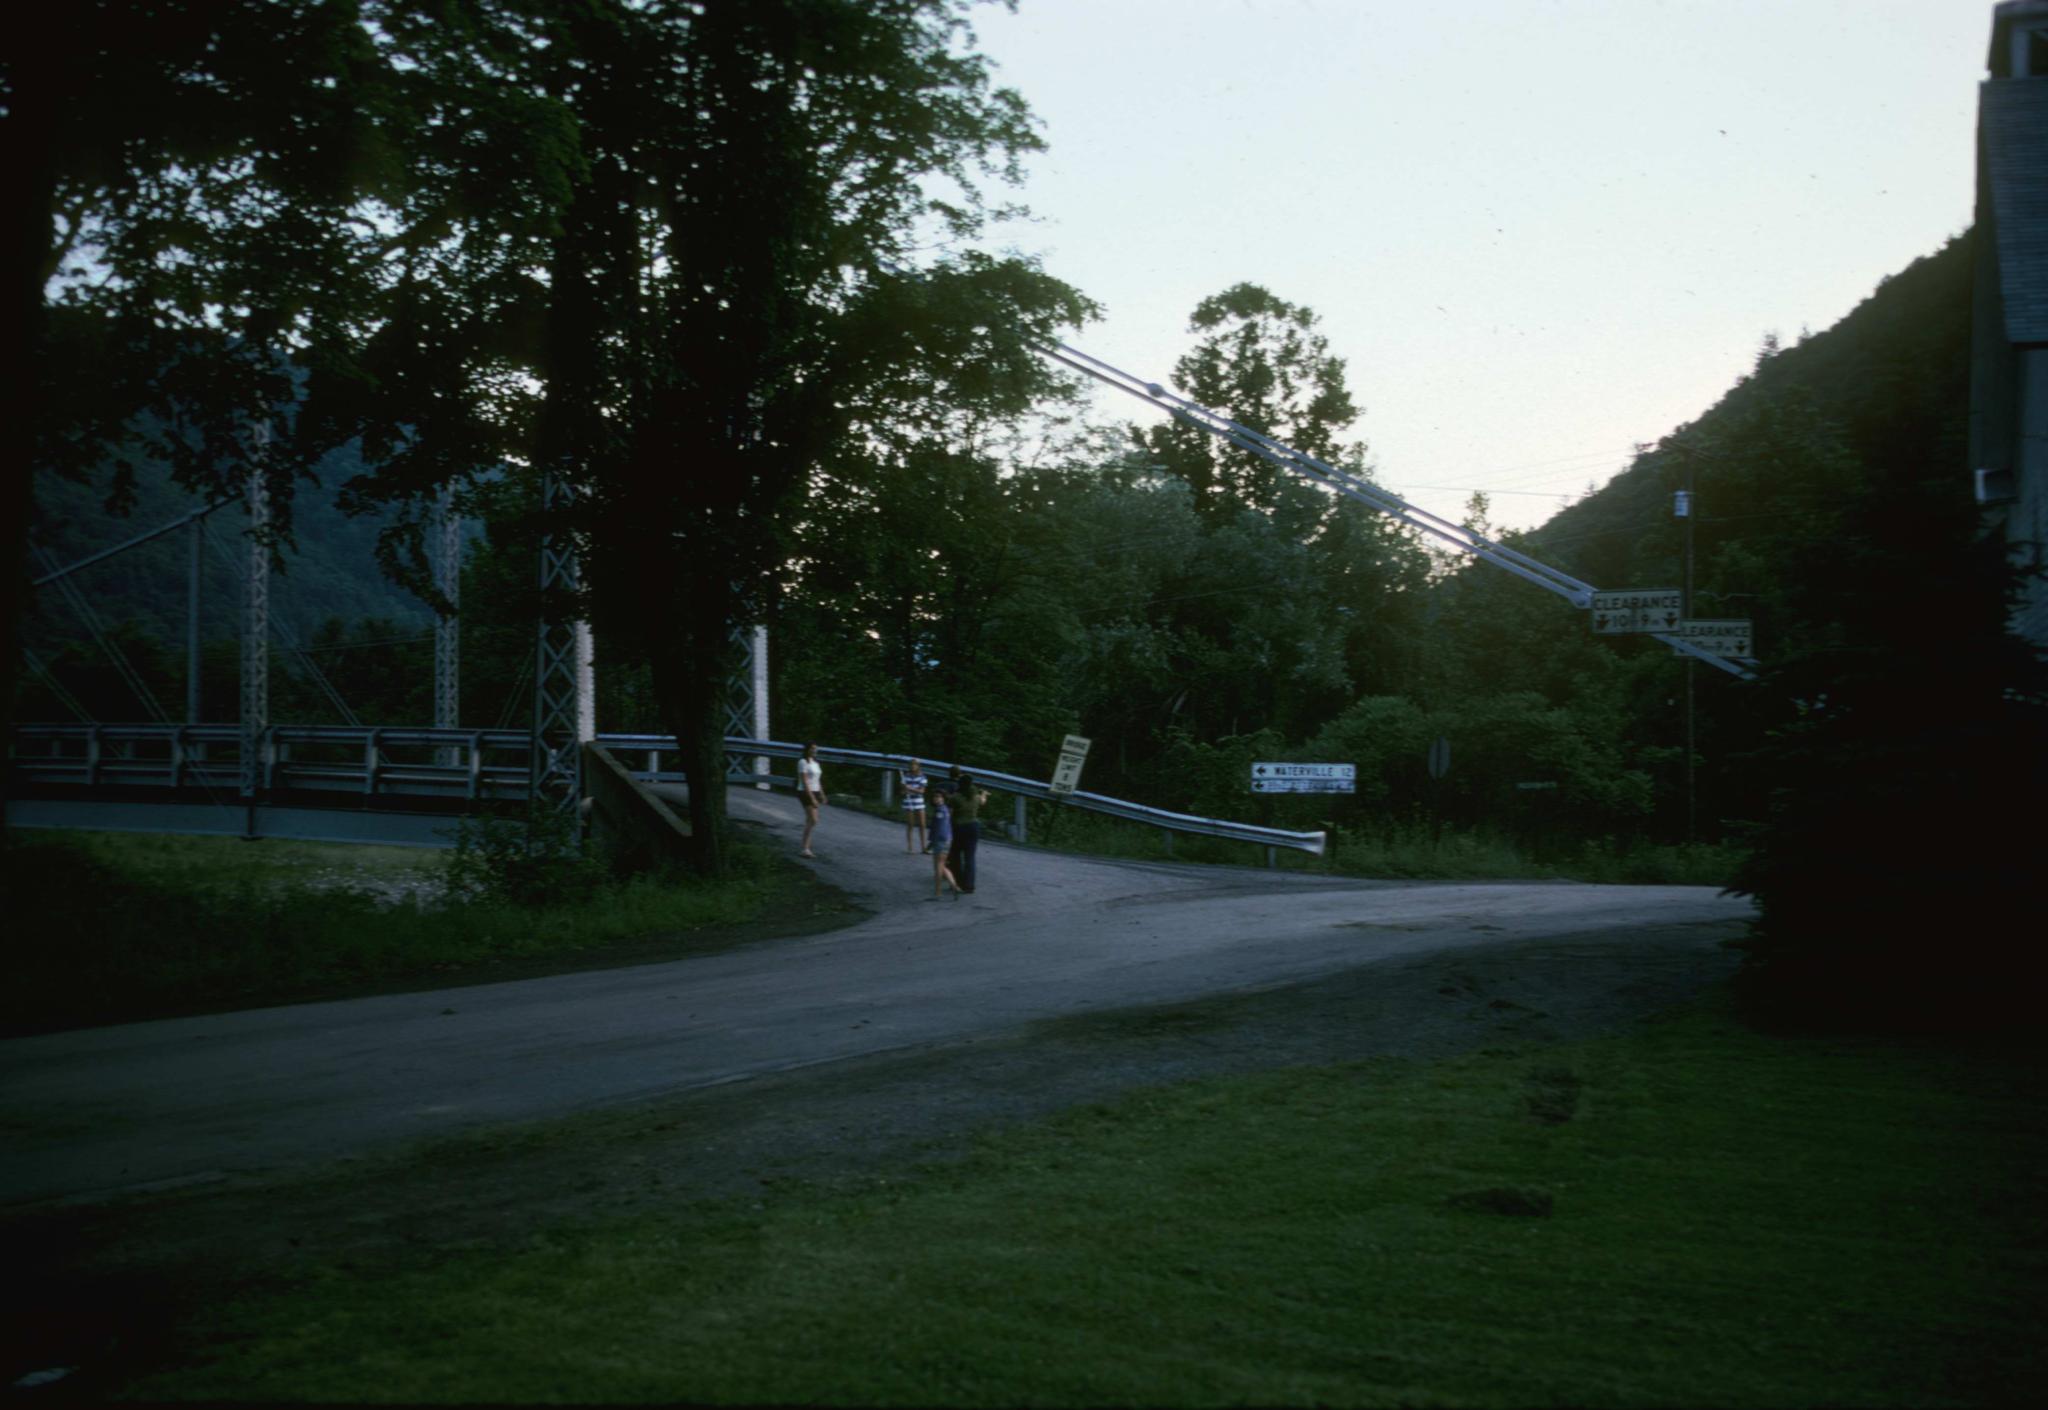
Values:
[(810, 825)]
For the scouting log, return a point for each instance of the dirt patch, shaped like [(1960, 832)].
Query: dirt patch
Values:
[(117, 1278)]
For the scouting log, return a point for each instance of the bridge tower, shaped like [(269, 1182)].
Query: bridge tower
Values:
[(255, 693), (746, 702), (448, 623), (564, 712)]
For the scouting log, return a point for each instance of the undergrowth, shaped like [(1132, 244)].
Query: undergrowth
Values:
[(110, 926)]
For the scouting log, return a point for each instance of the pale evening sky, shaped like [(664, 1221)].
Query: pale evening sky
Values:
[(1538, 233)]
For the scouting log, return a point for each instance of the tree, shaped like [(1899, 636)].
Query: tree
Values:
[(226, 205), (1262, 362), (179, 178), (1895, 862), (728, 304)]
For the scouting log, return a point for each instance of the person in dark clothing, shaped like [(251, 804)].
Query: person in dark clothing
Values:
[(966, 801)]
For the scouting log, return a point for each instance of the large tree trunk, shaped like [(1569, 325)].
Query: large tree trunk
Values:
[(690, 681)]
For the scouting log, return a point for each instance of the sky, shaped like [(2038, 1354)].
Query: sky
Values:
[(1539, 233)]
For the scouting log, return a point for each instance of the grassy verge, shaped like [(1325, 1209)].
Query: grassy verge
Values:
[(1690, 1214), (113, 926)]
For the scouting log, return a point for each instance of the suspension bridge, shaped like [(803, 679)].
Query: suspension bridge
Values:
[(357, 781)]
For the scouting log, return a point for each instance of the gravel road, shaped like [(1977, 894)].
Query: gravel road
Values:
[(154, 1167)]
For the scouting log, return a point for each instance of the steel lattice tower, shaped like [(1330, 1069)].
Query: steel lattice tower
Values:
[(448, 624), (562, 705), (746, 702), (256, 621)]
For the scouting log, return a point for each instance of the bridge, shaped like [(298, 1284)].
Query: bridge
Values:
[(408, 785), (358, 782)]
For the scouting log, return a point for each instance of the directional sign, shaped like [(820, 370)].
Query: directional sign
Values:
[(1304, 778), (1066, 775), (1637, 610), (1724, 636)]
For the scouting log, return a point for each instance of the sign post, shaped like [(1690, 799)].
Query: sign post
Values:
[(1304, 778), (1066, 775), (1439, 765)]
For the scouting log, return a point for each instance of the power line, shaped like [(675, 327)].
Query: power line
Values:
[(64, 697), (122, 665)]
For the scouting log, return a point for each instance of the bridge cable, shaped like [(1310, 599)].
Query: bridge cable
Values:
[(97, 628)]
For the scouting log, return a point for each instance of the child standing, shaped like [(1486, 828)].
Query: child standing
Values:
[(942, 838), (913, 807)]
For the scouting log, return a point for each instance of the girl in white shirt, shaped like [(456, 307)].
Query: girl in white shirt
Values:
[(810, 787)]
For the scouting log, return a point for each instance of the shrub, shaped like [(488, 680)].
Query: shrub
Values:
[(537, 857)]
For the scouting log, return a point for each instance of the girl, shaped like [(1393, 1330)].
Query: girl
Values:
[(942, 835), (913, 807), (810, 787)]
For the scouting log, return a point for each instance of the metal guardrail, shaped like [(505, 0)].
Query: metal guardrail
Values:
[(1312, 842), (484, 765)]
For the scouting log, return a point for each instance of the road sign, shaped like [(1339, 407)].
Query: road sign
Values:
[(1439, 757), (1304, 778), (1637, 610), (1724, 636), (1066, 775)]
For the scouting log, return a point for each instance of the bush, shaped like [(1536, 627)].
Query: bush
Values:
[(1896, 864), (535, 858)]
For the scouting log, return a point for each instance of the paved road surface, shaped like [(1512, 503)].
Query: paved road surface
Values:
[(192, 1100)]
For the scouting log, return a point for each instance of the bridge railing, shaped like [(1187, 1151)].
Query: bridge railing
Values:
[(480, 765), (648, 748)]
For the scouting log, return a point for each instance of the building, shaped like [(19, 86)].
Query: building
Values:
[(2009, 336)]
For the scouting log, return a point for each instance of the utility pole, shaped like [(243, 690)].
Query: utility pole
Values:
[(1682, 506)]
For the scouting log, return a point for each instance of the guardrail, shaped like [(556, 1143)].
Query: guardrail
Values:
[(1023, 788), (485, 765)]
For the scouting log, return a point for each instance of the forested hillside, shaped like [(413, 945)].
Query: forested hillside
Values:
[(328, 594)]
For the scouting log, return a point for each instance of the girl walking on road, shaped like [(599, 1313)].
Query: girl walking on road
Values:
[(810, 788), (942, 838)]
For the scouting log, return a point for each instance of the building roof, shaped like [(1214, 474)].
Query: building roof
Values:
[(2013, 118)]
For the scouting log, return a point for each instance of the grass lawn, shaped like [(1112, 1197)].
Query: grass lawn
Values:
[(1689, 1214), (111, 926)]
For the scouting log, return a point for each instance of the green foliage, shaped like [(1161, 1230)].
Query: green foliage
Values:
[(129, 926), (1262, 362), (1903, 786), (535, 858)]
